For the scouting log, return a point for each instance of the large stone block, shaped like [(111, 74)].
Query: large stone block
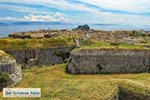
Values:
[(41, 56), (9, 66), (109, 61)]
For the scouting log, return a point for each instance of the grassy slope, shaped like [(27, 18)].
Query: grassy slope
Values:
[(11, 43), (107, 45), (4, 57), (57, 85), (2, 53)]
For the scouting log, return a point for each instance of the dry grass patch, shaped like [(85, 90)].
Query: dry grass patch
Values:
[(2, 53), (12, 43), (57, 85)]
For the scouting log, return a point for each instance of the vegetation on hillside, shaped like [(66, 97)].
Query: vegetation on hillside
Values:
[(2, 53), (12, 43), (92, 38), (4, 77), (57, 85), (4, 57), (109, 45)]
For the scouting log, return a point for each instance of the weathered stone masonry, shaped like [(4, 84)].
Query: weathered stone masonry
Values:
[(31, 57), (108, 61), (10, 66), (41, 56)]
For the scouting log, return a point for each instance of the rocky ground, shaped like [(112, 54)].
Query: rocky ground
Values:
[(82, 33)]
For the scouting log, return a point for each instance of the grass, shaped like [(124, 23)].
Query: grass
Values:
[(4, 57), (2, 53), (107, 45), (11, 43), (57, 85)]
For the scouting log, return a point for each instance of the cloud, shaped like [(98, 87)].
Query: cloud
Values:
[(61, 5), (135, 6), (83, 11), (124, 5), (7, 19), (43, 18), (26, 8)]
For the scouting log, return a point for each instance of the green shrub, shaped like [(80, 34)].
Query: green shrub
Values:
[(143, 41), (137, 33), (4, 77), (114, 43), (62, 54), (87, 42)]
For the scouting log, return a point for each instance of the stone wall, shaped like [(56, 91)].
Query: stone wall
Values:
[(9, 67), (109, 61), (127, 95), (8, 64), (15, 78), (41, 56)]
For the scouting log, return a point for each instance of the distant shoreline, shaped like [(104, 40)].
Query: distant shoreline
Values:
[(7, 29)]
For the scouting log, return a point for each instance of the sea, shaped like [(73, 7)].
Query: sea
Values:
[(8, 29)]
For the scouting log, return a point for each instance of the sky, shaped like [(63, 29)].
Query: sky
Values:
[(133, 12)]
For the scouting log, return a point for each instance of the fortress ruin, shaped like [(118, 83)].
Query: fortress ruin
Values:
[(108, 61), (10, 72)]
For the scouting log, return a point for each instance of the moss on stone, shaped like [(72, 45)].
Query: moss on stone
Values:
[(4, 77), (62, 54), (107, 45), (5, 58), (2, 53), (134, 87)]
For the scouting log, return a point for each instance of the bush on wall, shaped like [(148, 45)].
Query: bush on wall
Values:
[(4, 77)]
